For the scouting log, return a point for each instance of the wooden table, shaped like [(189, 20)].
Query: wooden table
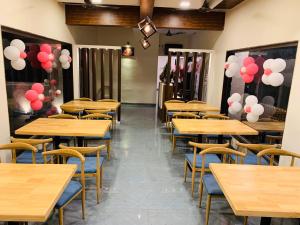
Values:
[(94, 105), (30, 191), (190, 107), (267, 126), (262, 191), (219, 127)]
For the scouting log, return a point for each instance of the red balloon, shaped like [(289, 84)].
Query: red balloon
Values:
[(248, 60), (38, 87), (47, 65), (36, 105), (267, 72), (252, 69), (42, 57), (248, 109), (53, 82), (247, 78), (31, 95), (23, 55), (45, 48)]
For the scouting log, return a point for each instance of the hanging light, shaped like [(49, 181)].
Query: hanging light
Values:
[(147, 27), (145, 43)]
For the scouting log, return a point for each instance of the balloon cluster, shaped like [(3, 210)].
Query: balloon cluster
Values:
[(272, 69), (65, 59), (253, 109), (234, 103), (35, 96), (16, 53), (231, 66), (249, 69), (46, 57)]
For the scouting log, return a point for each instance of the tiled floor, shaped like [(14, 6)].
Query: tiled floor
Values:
[(143, 183)]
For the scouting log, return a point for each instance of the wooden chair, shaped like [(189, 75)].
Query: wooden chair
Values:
[(104, 111), (84, 99), (107, 100), (196, 101), (272, 152), (14, 147), (176, 134), (27, 157), (208, 180), (72, 110), (92, 165), (251, 150), (107, 136), (111, 113), (169, 114), (74, 188), (274, 139), (63, 116), (194, 161)]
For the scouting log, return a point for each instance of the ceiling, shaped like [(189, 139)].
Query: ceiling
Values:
[(195, 4)]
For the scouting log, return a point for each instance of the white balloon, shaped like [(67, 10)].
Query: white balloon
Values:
[(230, 110), (18, 44), (245, 108), (65, 52), (278, 65), (236, 97), (276, 79), (41, 97), (265, 79), (252, 118), (63, 59), (229, 73), (232, 59), (234, 67), (18, 64), (236, 107), (58, 92), (230, 100), (257, 109), (251, 100), (66, 65), (268, 63), (12, 53)]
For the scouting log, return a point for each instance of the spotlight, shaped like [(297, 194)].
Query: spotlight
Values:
[(145, 43), (147, 27)]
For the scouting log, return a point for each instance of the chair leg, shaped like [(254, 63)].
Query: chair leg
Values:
[(83, 203), (61, 216), (108, 149), (174, 144), (193, 182), (245, 220), (98, 186), (185, 170), (208, 201), (101, 176), (200, 193)]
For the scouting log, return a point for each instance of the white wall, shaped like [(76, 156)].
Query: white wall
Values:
[(254, 23), (42, 17)]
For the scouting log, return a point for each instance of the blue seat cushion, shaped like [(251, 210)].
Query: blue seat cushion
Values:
[(107, 136), (170, 113), (26, 157), (209, 158), (73, 188), (112, 113), (176, 133), (251, 159), (90, 165), (215, 136), (211, 185)]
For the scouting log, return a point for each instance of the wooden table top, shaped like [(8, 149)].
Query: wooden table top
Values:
[(266, 126), (93, 105), (262, 191), (30, 191), (221, 127), (191, 107), (65, 127)]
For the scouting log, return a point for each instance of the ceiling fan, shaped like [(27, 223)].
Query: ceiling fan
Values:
[(170, 34), (88, 4)]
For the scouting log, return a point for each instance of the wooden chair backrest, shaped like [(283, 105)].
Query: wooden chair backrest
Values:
[(71, 109), (274, 139), (107, 100), (102, 111), (196, 101), (84, 99), (174, 101), (97, 116), (271, 152), (19, 146), (215, 116), (185, 115), (253, 147), (63, 116)]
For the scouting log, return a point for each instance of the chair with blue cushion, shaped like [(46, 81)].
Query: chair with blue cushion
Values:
[(111, 113), (104, 111), (27, 157), (75, 111), (169, 114), (196, 102), (107, 136), (208, 180), (19, 146), (175, 132), (194, 161), (92, 166), (270, 153), (251, 150), (74, 188)]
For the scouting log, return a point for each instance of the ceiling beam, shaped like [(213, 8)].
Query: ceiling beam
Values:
[(228, 4), (129, 16), (146, 8)]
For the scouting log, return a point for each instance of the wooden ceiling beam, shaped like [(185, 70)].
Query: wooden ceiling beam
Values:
[(129, 16), (146, 8)]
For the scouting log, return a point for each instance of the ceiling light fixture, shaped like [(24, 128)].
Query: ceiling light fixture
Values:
[(147, 27), (145, 43), (184, 4), (96, 1)]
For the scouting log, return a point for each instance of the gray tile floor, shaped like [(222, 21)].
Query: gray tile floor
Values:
[(143, 182)]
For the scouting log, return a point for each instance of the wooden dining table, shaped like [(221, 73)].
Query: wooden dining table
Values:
[(191, 107), (93, 105), (260, 191), (267, 126), (29, 192)]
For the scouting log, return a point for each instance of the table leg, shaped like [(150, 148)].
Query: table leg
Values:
[(56, 142), (220, 139), (265, 221)]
